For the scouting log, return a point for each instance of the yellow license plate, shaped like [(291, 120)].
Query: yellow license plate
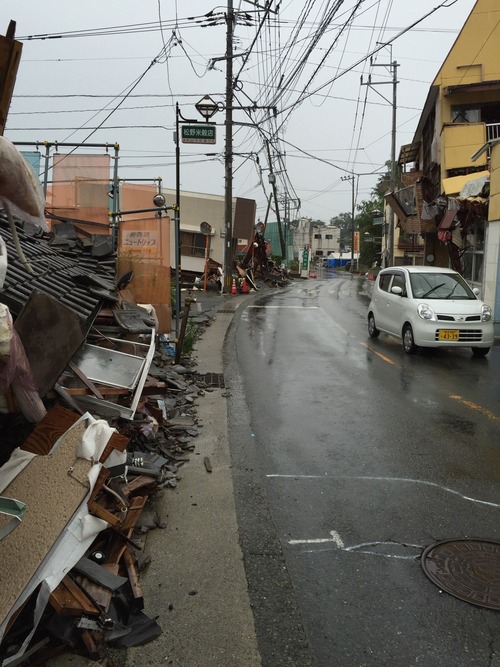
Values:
[(448, 334)]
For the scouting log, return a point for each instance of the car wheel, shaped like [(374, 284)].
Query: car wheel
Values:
[(408, 340), (372, 327), (480, 351)]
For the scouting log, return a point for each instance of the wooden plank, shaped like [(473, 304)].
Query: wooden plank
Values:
[(70, 600), (46, 433), (98, 509), (100, 595), (102, 513), (137, 483), (148, 390), (10, 57), (86, 381), (134, 511), (90, 641), (133, 578), (117, 442), (104, 391)]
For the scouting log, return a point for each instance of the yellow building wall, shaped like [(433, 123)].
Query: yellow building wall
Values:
[(459, 142), (474, 55), (473, 58)]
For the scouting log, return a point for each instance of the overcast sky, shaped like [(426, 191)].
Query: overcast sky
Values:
[(71, 83)]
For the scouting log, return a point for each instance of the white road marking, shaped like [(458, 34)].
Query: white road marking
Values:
[(406, 480), (283, 307), (335, 538), (362, 548)]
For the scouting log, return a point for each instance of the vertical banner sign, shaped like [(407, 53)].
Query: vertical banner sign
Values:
[(304, 268), (356, 242)]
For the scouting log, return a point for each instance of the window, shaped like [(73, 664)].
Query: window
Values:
[(192, 244), (328, 236), (384, 280), (317, 236), (476, 113), (474, 253), (465, 114), (399, 281)]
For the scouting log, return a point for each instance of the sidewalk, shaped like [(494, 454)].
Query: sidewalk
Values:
[(196, 582)]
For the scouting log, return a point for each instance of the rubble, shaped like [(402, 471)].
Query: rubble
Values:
[(117, 422)]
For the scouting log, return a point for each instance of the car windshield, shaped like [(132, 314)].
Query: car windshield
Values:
[(440, 286)]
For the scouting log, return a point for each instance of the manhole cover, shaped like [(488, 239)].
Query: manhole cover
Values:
[(467, 569)]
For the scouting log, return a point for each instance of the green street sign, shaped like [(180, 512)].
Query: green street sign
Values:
[(198, 134)]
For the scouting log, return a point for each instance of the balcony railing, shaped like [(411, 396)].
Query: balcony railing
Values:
[(492, 131)]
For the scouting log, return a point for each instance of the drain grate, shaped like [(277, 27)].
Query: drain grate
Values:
[(212, 379), (467, 569)]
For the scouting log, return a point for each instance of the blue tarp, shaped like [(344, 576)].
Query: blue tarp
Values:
[(335, 263)]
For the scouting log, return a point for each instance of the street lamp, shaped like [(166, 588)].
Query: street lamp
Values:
[(206, 107)]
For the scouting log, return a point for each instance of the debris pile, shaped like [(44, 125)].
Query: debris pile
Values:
[(257, 265), (96, 422)]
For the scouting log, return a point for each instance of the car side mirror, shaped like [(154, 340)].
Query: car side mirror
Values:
[(476, 290), (397, 290)]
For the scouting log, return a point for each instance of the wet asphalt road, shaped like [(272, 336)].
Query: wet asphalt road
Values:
[(349, 458)]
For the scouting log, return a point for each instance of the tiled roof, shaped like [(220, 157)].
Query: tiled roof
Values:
[(70, 275)]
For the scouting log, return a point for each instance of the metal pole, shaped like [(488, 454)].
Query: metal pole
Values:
[(46, 171), (228, 159), (393, 162), (115, 201), (206, 263), (272, 179), (351, 178), (352, 224), (177, 223)]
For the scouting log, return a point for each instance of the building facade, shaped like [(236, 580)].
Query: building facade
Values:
[(446, 205)]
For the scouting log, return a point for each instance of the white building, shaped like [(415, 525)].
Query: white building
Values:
[(323, 240)]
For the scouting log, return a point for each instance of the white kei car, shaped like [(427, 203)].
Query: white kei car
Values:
[(426, 306)]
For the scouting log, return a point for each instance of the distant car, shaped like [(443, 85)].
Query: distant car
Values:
[(426, 306)]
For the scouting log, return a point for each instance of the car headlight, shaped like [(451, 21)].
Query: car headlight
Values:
[(426, 313), (485, 313)]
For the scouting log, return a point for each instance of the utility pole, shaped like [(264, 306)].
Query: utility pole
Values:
[(228, 156), (353, 202), (393, 67), (272, 181)]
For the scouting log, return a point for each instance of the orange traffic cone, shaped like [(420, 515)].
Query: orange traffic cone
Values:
[(244, 287), (233, 288)]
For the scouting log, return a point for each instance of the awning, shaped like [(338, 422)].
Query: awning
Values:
[(453, 185), (409, 152)]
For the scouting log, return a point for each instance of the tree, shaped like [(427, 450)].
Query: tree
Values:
[(370, 235), (344, 222)]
